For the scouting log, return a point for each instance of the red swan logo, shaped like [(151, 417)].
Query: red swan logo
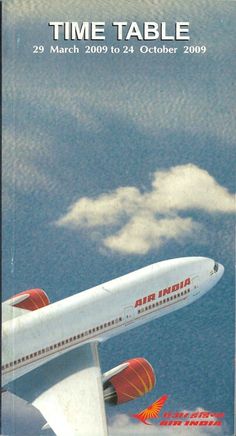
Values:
[(151, 411)]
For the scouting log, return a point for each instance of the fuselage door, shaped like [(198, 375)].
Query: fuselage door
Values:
[(128, 314)]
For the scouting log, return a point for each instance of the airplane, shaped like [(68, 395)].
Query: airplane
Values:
[(57, 344)]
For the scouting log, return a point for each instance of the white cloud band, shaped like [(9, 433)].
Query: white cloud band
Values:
[(148, 220)]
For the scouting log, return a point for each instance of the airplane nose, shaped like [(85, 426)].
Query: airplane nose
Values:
[(218, 271), (221, 270)]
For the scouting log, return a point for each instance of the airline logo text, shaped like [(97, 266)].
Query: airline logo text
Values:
[(173, 288), (200, 418)]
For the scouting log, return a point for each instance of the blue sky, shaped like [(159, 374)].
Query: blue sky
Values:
[(114, 162)]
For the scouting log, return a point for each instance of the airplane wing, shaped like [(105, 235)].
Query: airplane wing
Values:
[(68, 391)]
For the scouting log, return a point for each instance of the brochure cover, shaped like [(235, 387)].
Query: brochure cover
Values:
[(118, 158)]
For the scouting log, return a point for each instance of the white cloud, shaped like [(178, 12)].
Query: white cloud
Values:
[(106, 209), (123, 425), (143, 232), (189, 187), (148, 220)]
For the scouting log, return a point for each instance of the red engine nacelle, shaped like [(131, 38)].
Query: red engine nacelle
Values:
[(137, 379), (31, 299)]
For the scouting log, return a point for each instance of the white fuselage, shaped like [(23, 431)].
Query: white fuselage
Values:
[(104, 311)]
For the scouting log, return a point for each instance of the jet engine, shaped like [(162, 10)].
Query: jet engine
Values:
[(31, 299), (132, 379)]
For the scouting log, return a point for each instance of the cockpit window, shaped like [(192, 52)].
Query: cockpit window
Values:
[(216, 267)]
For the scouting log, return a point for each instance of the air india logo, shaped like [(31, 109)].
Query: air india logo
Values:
[(185, 418), (151, 411)]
